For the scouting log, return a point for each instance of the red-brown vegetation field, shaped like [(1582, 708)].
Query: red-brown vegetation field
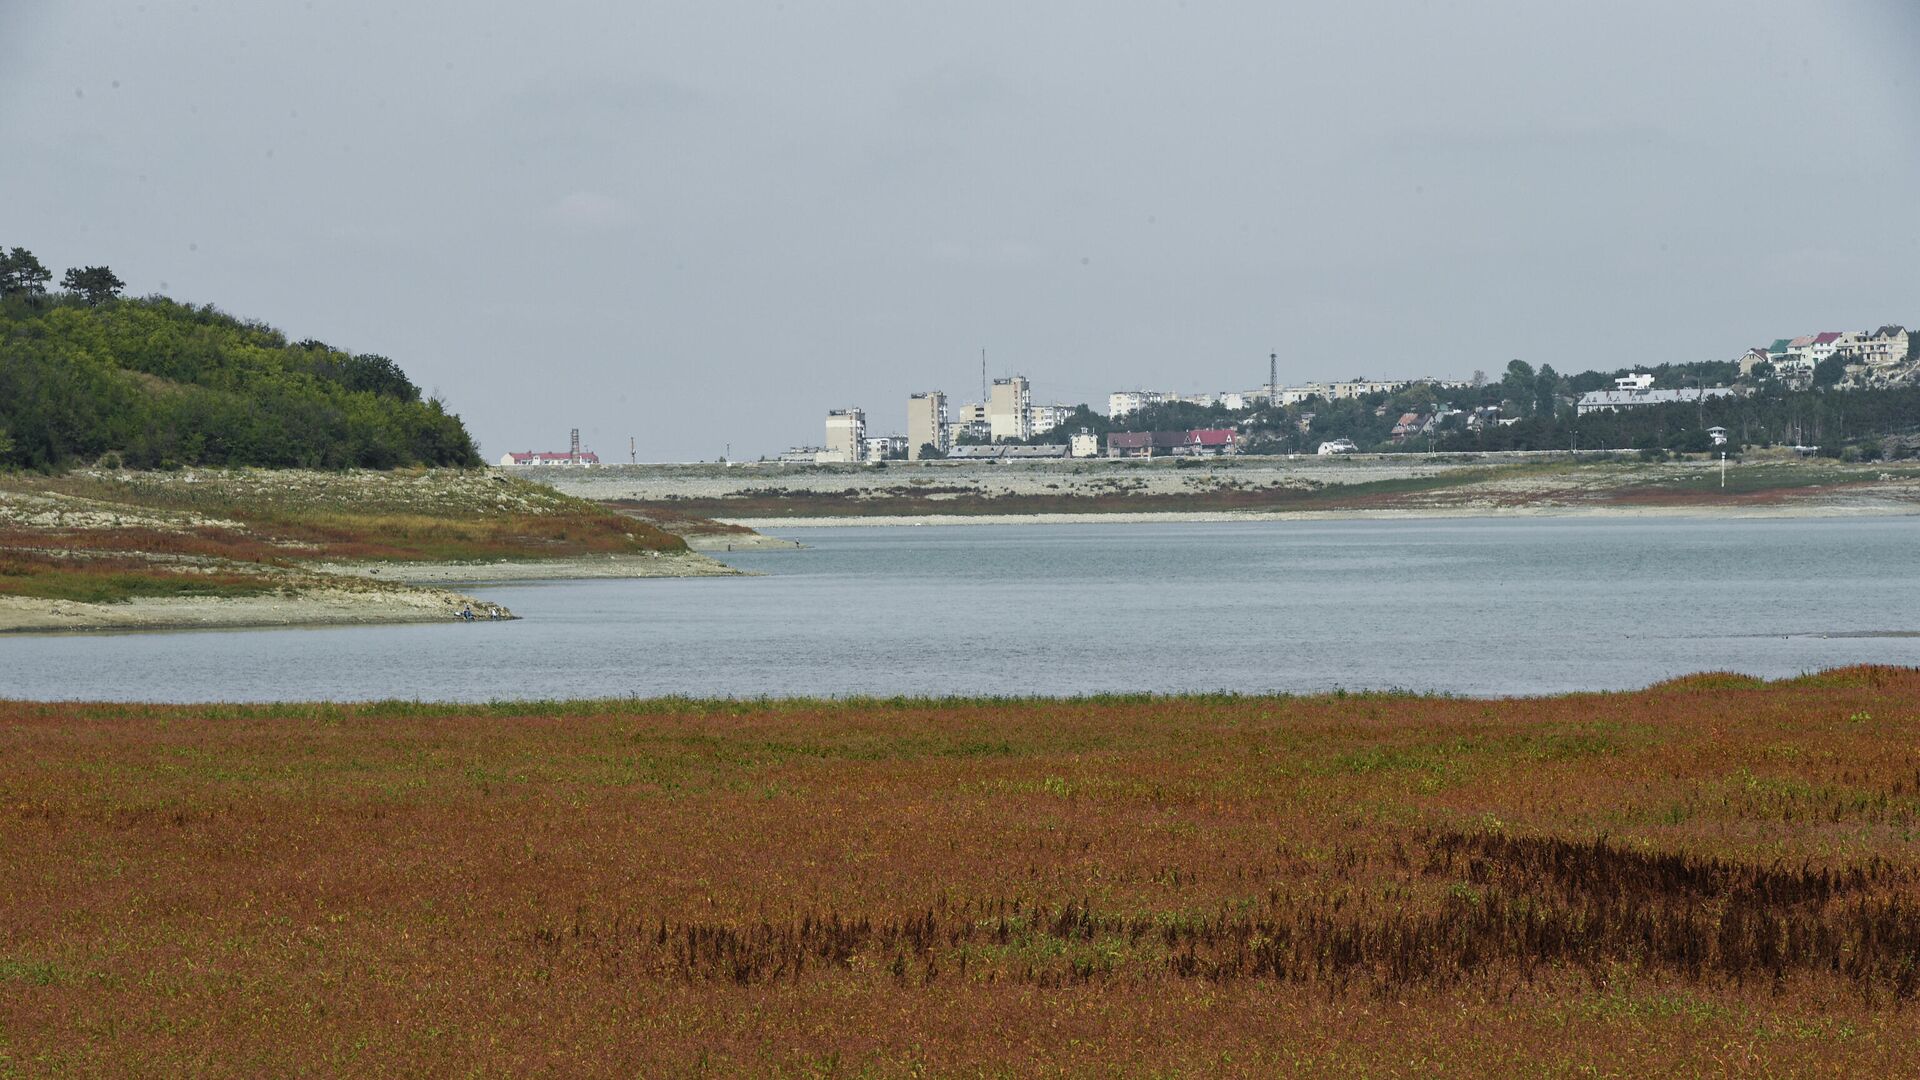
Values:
[(1713, 876)]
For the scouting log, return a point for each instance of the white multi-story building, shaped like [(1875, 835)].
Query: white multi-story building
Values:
[(846, 436), (976, 431), (1354, 388), (1875, 348), (1009, 408), (1806, 351), (885, 447), (927, 423), (1122, 402), (1084, 443), (1339, 391), (1044, 418)]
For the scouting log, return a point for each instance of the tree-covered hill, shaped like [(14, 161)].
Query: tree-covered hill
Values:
[(85, 376)]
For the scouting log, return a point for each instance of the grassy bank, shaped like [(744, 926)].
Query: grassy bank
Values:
[(107, 535), (1714, 875)]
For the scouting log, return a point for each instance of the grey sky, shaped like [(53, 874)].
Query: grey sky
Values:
[(706, 222)]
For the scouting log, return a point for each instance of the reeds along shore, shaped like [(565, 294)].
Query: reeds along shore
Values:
[(1713, 875)]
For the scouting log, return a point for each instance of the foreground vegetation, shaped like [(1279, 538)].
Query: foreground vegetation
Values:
[(1715, 875), (100, 536)]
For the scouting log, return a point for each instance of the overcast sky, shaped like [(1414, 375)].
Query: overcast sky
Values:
[(706, 222)]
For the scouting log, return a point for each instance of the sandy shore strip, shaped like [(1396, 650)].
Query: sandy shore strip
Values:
[(308, 607), (1809, 509), (508, 571), (721, 543)]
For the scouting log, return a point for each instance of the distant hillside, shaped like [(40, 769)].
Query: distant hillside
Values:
[(158, 384)]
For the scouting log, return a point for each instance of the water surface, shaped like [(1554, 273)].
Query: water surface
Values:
[(1458, 606)]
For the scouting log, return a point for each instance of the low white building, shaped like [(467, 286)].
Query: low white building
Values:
[(1005, 453), (885, 447), (546, 457), (1337, 446), (1635, 391), (1084, 443)]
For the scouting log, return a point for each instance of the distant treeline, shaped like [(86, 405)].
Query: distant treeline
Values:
[(1539, 407), (152, 383)]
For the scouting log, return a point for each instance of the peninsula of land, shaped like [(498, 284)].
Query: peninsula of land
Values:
[(1779, 483), (100, 549)]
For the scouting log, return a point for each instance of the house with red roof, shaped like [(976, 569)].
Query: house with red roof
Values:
[(1211, 442)]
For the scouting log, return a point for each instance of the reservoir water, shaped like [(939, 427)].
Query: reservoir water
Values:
[(1517, 606)]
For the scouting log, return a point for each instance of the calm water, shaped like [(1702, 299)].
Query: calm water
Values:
[(1467, 607)]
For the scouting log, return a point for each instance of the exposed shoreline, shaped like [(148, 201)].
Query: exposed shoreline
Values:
[(353, 594), (510, 571), (114, 550), (341, 606)]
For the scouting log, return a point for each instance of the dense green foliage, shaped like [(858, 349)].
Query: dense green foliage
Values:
[(157, 383), (21, 274), (1835, 420), (94, 284), (1538, 407)]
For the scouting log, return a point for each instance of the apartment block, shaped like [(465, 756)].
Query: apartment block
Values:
[(926, 423), (1008, 408), (846, 436)]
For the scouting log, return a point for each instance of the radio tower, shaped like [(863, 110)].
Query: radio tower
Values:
[(633, 455), (573, 448), (1273, 379)]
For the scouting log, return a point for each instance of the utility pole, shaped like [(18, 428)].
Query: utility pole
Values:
[(633, 454), (1273, 379), (983, 375)]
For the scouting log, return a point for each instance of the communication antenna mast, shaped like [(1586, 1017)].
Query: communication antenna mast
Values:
[(633, 455), (983, 375), (573, 447), (1273, 379)]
